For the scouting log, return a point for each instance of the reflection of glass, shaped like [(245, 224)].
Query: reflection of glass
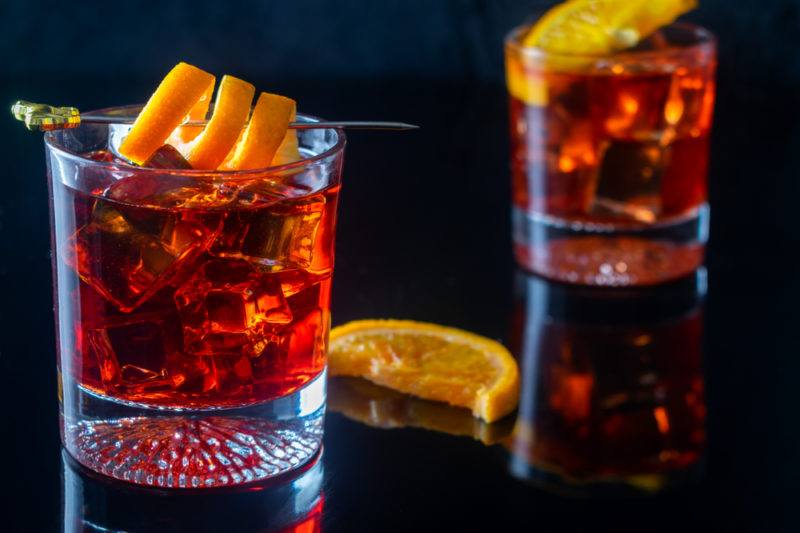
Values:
[(612, 386), (380, 407), (192, 309), (288, 505)]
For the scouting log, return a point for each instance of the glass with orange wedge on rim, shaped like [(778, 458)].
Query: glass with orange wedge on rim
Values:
[(611, 104), (192, 275)]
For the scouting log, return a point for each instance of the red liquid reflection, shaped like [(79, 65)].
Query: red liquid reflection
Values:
[(612, 385)]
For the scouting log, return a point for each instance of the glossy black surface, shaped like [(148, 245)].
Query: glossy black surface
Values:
[(424, 234)]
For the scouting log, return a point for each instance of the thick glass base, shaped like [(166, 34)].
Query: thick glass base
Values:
[(611, 254), (176, 448)]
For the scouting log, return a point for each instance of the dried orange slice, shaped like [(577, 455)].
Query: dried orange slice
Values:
[(231, 109), (179, 92), (263, 135), (429, 361), (288, 151)]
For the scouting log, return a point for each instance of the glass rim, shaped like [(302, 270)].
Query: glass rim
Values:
[(336, 148), (704, 40)]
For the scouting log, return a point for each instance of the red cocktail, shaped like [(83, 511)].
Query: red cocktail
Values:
[(609, 158), (197, 306), (193, 310)]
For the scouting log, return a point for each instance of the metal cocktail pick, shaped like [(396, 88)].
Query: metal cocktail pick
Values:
[(43, 117)]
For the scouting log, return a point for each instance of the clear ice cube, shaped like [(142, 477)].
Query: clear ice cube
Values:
[(230, 307), (142, 354), (171, 190), (283, 236), (632, 106), (629, 180), (310, 307), (167, 156), (561, 150), (134, 353), (129, 253)]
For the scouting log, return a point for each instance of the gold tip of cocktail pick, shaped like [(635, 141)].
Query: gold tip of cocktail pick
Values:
[(43, 117)]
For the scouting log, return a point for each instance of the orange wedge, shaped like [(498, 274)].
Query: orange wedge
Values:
[(288, 151), (177, 95), (231, 109), (429, 361), (595, 27), (263, 135)]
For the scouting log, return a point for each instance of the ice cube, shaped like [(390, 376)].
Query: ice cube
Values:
[(226, 376), (228, 307), (299, 351), (140, 356), (294, 281), (95, 179), (169, 190), (629, 180), (310, 307), (559, 155), (167, 156), (128, 253), (282, 237), (306, 344), (631, 107), (133, 352), (691, 102), (104, 156)]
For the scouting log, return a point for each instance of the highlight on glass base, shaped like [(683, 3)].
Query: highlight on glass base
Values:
[(610, 154), (193, 291)]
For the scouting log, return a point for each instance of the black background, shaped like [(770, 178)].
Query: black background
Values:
[(424, 234)]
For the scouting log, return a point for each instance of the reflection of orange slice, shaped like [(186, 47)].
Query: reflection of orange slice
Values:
[(231, 109), (429, 361), (263, 135), (288, 151), (176, 96), (377, 406)]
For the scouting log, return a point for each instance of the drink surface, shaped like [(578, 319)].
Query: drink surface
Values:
[(184, 297)]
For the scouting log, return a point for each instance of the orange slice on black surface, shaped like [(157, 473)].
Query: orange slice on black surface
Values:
[(429, 361)]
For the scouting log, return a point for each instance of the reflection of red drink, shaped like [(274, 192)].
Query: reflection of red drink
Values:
[(312, 523), (609, 159), (197, 306), (612, 385)]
